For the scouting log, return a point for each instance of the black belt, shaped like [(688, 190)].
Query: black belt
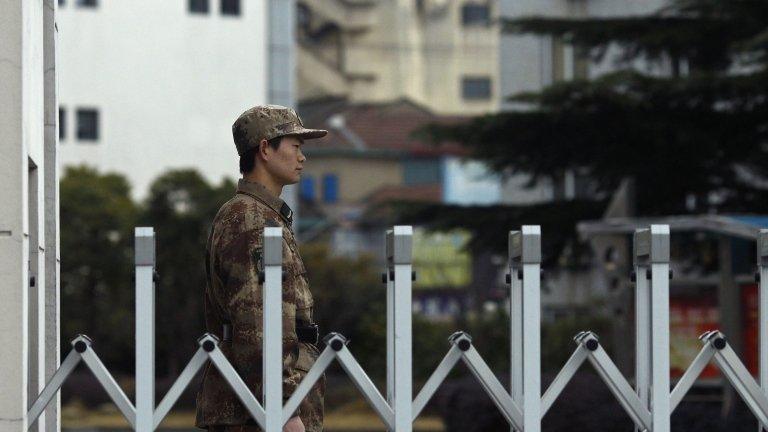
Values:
[(305, 332)]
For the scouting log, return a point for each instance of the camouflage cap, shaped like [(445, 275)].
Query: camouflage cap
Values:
[(267, 122)]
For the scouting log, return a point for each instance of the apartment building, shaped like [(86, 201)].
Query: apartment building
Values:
[(442, 54)]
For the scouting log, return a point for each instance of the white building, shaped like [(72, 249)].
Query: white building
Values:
[(29, 247), (147, 86)]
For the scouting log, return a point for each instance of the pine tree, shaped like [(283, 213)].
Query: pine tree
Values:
[(693, 141)]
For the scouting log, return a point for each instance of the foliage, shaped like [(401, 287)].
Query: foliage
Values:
[(97, 221), (693, 141), (181, 206)]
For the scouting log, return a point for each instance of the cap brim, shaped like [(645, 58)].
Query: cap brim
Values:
[(309, 133)]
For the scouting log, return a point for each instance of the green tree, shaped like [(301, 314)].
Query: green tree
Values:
[(97, 220), (181, 206), (693, 141)]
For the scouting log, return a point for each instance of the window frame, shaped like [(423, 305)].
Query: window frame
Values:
[(239, 8), (326, 181), (476, 79), (87, 4), (469, 17), (62, 123), (191, 4), (81, 136)]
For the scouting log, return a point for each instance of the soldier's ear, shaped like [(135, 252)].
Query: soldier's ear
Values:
[(263, 150)]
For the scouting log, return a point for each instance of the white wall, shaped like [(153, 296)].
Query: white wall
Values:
[(469, 183), (22, 178), (168, 84)]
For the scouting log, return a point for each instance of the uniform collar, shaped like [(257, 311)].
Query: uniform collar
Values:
[(261, 193)]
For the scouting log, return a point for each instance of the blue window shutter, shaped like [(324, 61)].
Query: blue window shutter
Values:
[(307, 188), (330, 188)]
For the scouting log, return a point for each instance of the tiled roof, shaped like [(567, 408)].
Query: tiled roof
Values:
[(376, 127)]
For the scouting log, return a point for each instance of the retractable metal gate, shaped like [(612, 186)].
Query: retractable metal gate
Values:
[(649, 404)]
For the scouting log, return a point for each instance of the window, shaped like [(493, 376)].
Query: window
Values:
[(87, 124), (62, 124), (475, 15), (476, 88), (307, 188), (421, 171), (198, 6), (88, 3), (62, 2), (230, 7), (330, 188)]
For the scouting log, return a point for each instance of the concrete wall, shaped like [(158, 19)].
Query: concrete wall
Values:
[(27, 170), (168, 84)]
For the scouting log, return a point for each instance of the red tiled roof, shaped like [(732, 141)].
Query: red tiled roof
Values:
[(386, 126)]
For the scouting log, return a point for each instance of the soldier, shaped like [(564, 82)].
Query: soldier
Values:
[(268, 139)]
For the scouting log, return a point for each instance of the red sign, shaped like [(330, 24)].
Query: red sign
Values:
[(690, 317)]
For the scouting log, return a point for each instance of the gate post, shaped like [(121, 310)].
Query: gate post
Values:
[(652, 274), (145, 328), (272, 363), (762, 277), (525, 323), (399, 275)]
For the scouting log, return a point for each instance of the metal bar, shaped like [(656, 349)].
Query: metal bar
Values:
[(366, 387), (641, 245), (110, 385), (563, 378), (515, 319), (273, 326), (66, 368), (144, 256), (762, 268), (402, 260), (434, 381), (238, 386), (660, 382), (738, 375), (314, 374), (503, 401), (659, 396), (689, 377), (388, 275), (531, 260), (181, 383), (619, 387)]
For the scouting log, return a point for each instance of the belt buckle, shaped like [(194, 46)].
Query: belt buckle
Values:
[(316, 333)]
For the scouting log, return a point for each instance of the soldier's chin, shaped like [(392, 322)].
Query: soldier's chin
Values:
[(296, 178)]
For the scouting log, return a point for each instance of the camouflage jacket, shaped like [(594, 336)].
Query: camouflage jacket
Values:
[(234, 295)]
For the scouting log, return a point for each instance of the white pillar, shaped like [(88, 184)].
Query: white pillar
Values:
[(21, 141), (51, 211), (144, 254), (399, 248)]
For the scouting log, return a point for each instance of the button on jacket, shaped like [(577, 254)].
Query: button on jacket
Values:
[(234, 296)]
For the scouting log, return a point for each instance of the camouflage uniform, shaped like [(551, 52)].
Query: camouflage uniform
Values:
[(234, 295)]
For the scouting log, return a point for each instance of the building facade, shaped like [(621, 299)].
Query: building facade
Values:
[(29, 215), (442, 54), (149, 86)]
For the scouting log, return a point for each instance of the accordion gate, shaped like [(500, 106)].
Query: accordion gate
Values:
[(649, 404)]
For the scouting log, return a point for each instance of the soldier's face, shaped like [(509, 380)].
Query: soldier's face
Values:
[(286, 163)]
